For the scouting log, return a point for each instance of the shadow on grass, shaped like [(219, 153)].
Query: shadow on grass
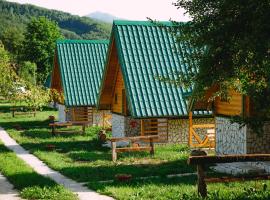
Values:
[(27, 124), (136, 183), (23, 180), (106, 171)]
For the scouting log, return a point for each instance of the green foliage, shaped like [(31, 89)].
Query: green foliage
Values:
[(35, 97), (25, 179), (12, 37), (232, 48), (27, 72), (8, 76), (53, 193), (72, 26), (39, 45)]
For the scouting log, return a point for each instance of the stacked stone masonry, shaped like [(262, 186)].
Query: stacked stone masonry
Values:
[(176, 132), (232, 138)]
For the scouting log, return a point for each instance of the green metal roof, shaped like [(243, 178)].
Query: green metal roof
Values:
[(146, 51), (81, 65)]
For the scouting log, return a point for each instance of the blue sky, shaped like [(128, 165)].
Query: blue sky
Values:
[(126, 9)]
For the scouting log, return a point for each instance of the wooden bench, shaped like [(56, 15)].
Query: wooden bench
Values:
[(19, 111), (54, 125), (149, 148), (202, 160)]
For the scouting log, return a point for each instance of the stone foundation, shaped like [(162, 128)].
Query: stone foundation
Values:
[(178, 129), (123, 126), (233, 139), (61, 113), (98, 118)]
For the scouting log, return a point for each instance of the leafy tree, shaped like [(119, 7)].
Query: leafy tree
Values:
[(35, 97), (231, 48), (27, 72), (12, 38), (8, 75), (39, 45)]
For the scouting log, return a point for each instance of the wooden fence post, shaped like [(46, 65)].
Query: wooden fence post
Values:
[(152, 147), (114, 154), (202, 187)]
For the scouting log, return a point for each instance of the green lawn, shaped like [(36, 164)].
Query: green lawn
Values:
[(26, 180), (82, 158)]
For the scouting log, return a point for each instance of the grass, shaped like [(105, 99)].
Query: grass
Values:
[(83, 159), (26, 180)]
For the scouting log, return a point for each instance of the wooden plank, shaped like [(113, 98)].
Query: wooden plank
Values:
[(237, 179), (134, 138), (127, 149), (60, 124), (197, 160), (203, 126)]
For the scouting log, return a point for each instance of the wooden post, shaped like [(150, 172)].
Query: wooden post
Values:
[(190, 130), (13, 112), (83, 129), (103, 119), (142, 128), (202, 188), (35, 112), (114, 154), (152, 147)]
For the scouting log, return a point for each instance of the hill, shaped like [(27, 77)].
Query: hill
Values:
[(72, 26), (101, 16)]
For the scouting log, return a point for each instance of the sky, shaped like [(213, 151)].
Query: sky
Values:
[(126, 9)]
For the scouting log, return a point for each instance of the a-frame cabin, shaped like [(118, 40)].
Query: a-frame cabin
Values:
[(139, 53), (77, 72)]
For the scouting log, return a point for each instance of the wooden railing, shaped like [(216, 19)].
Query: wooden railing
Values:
[(205, 139), (201, 161), (155, 127), (81, 114)]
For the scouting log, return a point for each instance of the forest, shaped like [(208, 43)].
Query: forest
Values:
[(16, 16)]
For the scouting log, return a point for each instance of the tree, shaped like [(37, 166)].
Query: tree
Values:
[(12, 38), (39, 45), (27, 72), (8, 75), (231, 48), (35, 97)]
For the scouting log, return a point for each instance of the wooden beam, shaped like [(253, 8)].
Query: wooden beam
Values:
[(199, 160)]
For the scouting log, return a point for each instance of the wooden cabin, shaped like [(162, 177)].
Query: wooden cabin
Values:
[(233, 138), (142, 104), (77, 73)]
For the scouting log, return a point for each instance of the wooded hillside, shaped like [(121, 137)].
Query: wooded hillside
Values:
[(72, 26)]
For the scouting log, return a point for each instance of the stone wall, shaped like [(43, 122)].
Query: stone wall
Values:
[(259, 143), (132, 126), (98, 117), (230, 137), (61, 113), (178, 129), (123, 126), (233, 139)]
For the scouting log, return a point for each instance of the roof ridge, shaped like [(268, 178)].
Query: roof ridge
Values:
[(143, 23), (61, 41)]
